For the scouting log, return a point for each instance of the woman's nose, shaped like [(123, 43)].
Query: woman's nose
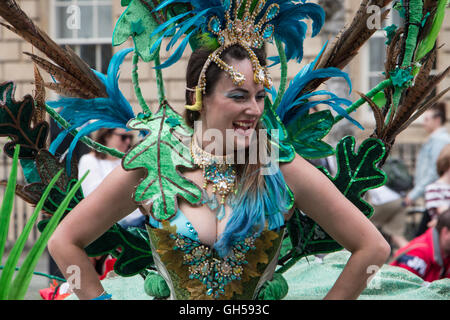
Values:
[(254, 108)]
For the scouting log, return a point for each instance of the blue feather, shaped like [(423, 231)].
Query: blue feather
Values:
[(112, 112), (185, 27), (161, 27), (287, 24), (292, 107), (251, 210), (177, 54)]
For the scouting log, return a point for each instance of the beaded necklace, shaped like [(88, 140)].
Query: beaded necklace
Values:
[(218, 170)]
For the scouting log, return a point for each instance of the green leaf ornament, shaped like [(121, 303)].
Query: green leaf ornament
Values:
[(307, 132), (357, 173), (164, 149), (135, 253), (136, 22), (15, 122), (271, 122), (48, 166)]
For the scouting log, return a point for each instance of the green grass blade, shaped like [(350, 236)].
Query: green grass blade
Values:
[(11, 263), (22, 280), (8, 201)]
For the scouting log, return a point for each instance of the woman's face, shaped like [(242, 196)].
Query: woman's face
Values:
[(233, 110), (120, 139)]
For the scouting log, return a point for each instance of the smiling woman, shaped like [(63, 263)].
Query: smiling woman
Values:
[(216, 212), (216, 220)]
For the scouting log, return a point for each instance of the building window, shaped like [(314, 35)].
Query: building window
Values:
[(374, 56), (377, 50), (86, 26)]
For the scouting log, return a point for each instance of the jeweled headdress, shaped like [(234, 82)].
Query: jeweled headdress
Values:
[(248, 24)]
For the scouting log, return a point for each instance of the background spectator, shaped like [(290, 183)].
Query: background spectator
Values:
[(433, 123), (428, 255)]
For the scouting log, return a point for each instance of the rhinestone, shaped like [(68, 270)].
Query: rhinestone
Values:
[(214, 24), (238, 77), (268, 31), (272, 12), (226, 4), (261, 75)]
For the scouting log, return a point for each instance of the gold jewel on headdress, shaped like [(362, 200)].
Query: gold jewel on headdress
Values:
[(245, 32), (218, 170)]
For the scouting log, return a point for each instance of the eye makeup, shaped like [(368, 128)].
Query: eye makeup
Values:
[(241, 94)]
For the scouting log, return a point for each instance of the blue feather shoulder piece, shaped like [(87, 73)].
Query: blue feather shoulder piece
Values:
[(89, 115)]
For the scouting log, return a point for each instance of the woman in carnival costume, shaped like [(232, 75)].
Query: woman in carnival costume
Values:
[(224, 183)]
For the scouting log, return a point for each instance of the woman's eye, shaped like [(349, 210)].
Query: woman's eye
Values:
[(261, 97), (238, 97)]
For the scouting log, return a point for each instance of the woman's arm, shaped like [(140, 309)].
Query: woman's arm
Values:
[(91, 218), (317, 197)]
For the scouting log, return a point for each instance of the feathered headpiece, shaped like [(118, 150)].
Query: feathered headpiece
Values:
[(240, 22)]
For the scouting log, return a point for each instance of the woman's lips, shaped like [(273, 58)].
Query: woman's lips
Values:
[(244, 128)]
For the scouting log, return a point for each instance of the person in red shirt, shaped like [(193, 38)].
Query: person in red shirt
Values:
[(428, 255)]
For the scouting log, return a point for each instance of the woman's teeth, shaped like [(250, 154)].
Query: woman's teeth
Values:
[(243, 128), (242, 125)]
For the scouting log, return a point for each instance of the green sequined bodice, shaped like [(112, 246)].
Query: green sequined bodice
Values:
[(196, 271)]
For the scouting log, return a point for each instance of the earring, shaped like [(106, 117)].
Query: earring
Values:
[(198, 101)]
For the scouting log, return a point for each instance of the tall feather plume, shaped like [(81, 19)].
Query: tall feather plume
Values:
[(422, 108), (64, 79), (392, 57), (39, 97), (379, 117), (429, 10), (70, 64), (347, 43), (415, 93)]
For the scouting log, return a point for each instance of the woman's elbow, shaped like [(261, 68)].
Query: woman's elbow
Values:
[(53, 244), (57, 243), (380, 251)]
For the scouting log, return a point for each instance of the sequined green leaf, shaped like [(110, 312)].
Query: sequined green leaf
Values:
[(135, 254), (47, 166), (164, 149), (271, 121), (306, 134), (357, 172), (15, 122), (137, 22)]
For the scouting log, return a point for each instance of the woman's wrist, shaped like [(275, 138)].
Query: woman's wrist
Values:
[(103, 296)]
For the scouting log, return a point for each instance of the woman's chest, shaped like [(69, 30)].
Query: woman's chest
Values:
[(204, 221)]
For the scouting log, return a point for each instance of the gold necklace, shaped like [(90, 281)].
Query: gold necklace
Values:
[(219, 171)]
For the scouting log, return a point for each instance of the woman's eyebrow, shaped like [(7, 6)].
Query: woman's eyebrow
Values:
[(238, 89)]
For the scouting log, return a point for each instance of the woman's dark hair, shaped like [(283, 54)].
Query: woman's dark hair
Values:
[(195, 65), (101, 137)]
